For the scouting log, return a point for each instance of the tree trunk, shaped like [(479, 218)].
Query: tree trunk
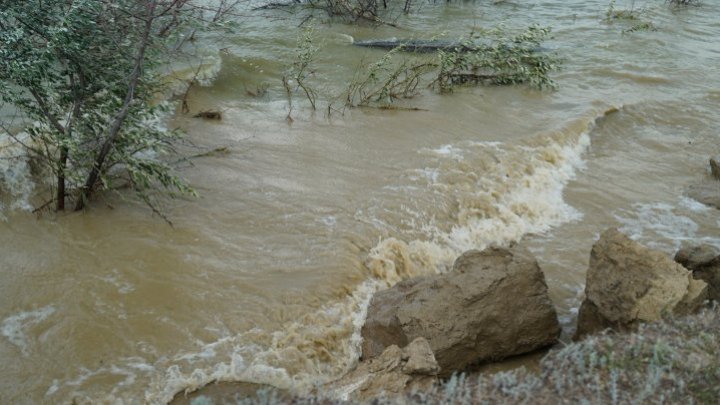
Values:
[(60, 198), (96, 170)]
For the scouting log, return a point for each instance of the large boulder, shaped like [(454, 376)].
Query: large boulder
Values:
[(628, 283), (393, 373), (493, 304), (704, 262)]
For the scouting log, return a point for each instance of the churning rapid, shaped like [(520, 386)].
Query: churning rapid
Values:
[(267, 276)]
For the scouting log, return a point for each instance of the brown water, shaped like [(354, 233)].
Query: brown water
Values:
[(266, 277)]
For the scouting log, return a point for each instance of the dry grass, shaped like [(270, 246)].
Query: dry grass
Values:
[(675, 361)]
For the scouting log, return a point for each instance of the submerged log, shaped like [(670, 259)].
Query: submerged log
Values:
[(416, 45), (427, 46)]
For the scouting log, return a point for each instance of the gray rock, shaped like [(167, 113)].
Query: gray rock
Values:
[(493, 304), (704, 262), (693, 257), (628, 283), (382, 327), (420, 358)]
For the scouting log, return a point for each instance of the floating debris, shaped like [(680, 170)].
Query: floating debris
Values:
[(209, 115)]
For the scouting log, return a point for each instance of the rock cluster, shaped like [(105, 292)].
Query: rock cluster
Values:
[(493, 304), (628, 283), (394, 372)]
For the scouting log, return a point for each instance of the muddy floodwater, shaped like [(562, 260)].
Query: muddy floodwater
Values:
[(266, 277)]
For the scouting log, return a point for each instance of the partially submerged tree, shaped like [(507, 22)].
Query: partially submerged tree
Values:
[(497, 58), (83, 74), (296, 75), (486, 57)]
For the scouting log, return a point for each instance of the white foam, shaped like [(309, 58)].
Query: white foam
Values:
[(694, 205), (123, 287), (646, 221), (15, 327), (503, 193), (131, 370), (446, 150), (312, 350), (53, 388), (329, 220)]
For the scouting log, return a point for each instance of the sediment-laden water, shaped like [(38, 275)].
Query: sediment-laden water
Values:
[(266, 277)]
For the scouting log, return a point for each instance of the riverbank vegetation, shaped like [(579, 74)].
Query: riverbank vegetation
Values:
[(84, 77)]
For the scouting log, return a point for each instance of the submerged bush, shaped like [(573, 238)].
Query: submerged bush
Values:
[(494, 57), (631, 17), (486, 57)]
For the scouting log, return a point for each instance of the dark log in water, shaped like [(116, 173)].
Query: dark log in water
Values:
[(416, 45), (427, 45)]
